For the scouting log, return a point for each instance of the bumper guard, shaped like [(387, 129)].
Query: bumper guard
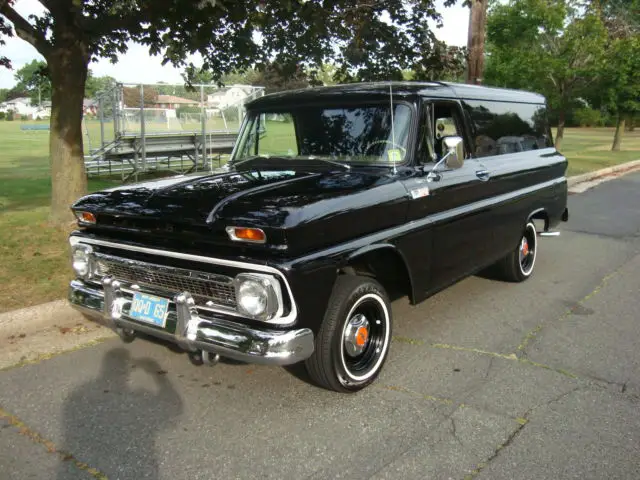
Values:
[(193, 332)]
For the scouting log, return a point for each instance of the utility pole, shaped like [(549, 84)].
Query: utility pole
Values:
[(475, 41)]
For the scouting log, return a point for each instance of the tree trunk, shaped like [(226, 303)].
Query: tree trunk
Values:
[(560, 132), (617, 138), (68, 67)]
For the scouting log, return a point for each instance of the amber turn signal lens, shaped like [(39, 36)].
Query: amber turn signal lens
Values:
[(86, 217), (240, 234)]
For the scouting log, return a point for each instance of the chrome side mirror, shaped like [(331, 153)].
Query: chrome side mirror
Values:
[(455, 152), (454, 158)]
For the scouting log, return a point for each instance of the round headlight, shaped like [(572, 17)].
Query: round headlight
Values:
[(81, 260), (252, 297)]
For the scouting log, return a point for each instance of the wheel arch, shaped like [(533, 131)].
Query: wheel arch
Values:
[(539, 214), (386, 263)]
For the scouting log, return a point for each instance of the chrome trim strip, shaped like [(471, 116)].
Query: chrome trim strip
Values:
[(404, 228), (229, 339), (286, 320), (438, 217)]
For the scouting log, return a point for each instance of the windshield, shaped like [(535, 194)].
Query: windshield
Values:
[(361, 134)]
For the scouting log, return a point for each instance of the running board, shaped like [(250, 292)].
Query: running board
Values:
[(549, 234)]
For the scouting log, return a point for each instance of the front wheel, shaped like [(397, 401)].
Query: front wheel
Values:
[(518, 265), (353, 341)]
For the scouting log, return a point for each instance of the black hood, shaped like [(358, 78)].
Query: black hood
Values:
[(293, 201)]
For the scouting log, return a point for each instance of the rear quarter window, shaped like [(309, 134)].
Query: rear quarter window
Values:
[(500, 128)]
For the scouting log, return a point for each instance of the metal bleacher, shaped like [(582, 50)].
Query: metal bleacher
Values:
[(152, 135), (183, 152)]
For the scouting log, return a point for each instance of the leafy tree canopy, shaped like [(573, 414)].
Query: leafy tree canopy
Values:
[(365, 39), (554, 48), (618, 89), (33, 79), (96, 85)]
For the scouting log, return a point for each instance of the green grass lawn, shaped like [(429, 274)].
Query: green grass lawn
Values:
[(34, 264), (589, 149)]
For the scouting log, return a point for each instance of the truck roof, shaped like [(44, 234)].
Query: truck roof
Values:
[(403, 90)]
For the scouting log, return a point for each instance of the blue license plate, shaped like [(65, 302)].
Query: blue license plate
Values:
[(149, 309)]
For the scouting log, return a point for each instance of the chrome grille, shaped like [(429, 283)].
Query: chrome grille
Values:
[(203, 286)]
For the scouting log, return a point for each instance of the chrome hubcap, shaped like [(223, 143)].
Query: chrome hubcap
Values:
[(527, 250), (524, 248), (356, 335)]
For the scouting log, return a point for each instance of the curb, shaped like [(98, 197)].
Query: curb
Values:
[(586, 177), (27, 320), (31, 319)]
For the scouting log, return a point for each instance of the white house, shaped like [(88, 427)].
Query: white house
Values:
[(21, 105), (229, 96)]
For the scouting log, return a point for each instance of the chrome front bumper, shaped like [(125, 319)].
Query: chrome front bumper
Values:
[(194, 332)]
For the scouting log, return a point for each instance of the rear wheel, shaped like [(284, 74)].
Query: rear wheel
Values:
[(518, 265), (353, 341)]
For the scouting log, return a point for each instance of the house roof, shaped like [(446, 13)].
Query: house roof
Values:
[(25, 100), (174, 99)]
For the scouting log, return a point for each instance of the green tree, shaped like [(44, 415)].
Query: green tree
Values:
[(549, 47), (96, 85), (3, 94), (275, 77), (325, 75), (619, 89), (622, 83), (33, 78), (5, 31), (16, 92), (368, 40)]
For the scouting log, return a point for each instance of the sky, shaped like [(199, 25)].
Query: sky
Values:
[(137, 66)]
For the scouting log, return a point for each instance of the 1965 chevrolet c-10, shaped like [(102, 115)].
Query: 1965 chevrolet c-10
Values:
[(335, 200)]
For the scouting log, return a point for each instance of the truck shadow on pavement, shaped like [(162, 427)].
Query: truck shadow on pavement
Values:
[(112, 425)]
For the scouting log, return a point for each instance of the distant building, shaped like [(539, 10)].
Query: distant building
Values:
[(172, 102), (22, 106), (90, 106), (229, 96)]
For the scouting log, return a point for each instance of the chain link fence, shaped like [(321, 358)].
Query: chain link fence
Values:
[(135, 128)]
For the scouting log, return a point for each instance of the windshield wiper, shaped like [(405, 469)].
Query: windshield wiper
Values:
[(288, 162), (332, 162)]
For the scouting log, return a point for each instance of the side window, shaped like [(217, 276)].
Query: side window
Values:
[(277, 135), (500, 128), (446, 123)]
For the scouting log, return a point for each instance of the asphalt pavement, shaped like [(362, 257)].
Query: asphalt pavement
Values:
[(487, 380)]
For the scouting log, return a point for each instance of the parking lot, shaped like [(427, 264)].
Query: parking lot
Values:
[(490, 380)]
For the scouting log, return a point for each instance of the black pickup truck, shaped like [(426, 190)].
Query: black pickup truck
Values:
[(335, 200)]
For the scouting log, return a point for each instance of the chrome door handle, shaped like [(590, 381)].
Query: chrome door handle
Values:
[(483, 175)]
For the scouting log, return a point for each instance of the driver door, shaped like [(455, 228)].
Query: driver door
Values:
[(460, 226)]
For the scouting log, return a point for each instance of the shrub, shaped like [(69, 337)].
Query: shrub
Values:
[(588, 117), (2, 115), (10, 116)]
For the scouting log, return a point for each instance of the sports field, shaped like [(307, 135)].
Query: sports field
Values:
[(34, 265)]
